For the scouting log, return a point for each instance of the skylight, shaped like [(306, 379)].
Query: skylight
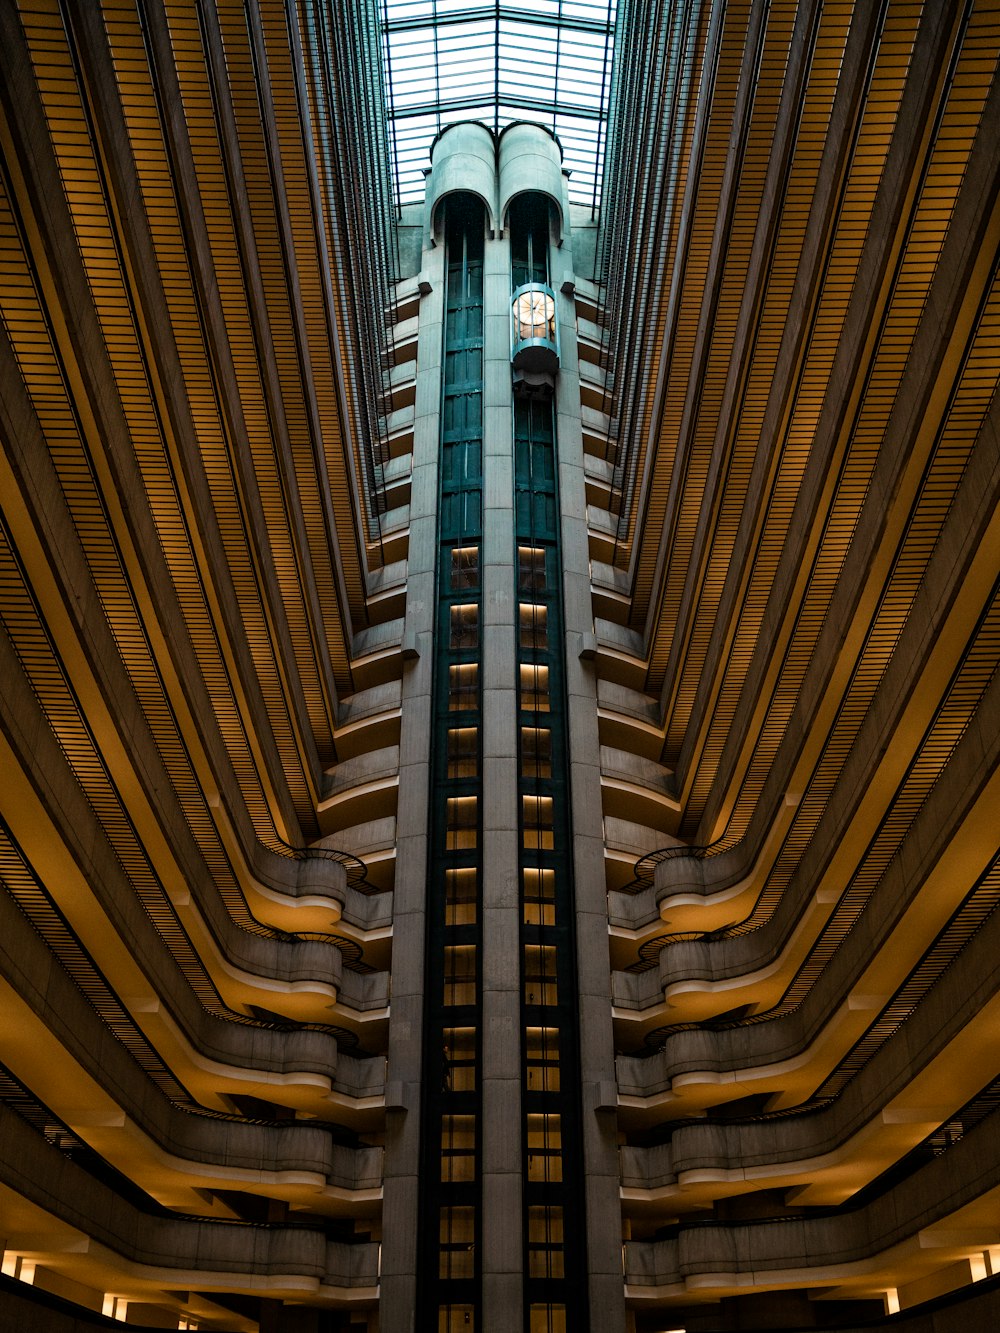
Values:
[(547, 61)]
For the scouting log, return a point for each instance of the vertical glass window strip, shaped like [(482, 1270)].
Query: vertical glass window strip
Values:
[(463, 463), (553, 1232), (448, 1274)]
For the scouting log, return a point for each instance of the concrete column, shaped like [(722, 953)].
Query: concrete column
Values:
[(403, 1075), (597, 1057)]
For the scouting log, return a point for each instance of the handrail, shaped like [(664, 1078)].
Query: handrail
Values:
[(938, 1141), (357, 871), (34, 1113), (645, 867)]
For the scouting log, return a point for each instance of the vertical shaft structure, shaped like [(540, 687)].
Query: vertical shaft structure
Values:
[(500, 1111)]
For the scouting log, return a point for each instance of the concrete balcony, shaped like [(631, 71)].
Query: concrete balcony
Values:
[(639, 789), (402, 387), (361, 788), (66, 1219), (923, 1236), (369, 719), (931, 1064), (375, 655), (948, 845)]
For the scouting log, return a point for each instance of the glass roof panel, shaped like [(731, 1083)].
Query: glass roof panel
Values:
[(547, 61)]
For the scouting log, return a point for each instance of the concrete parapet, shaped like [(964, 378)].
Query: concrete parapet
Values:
[(463, 160), (530, 163)]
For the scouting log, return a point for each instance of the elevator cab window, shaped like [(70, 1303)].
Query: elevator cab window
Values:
[(531, 569), (464, 568)]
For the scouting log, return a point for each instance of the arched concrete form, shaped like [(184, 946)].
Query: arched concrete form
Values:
[(463, 158), (530, 160)]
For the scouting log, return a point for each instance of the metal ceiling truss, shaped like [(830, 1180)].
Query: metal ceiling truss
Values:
[(548, 61)]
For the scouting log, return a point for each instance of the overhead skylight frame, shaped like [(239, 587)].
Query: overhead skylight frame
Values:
[(547, 61)]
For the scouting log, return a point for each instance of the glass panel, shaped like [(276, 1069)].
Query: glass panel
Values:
[(536, 512), (461, 820), (457, 1237), (534, 316), (534, 688), (462, 462), (463, 415), (542, 1058), (533, 626), (463, 752), (536, 752), (456, 1318), (537, 461), (460, 896), (533, 422), (544, 1141), (540, 974), (541, 61), (545, 1242), (530, 569), (460, 516), (539, 914), (463, 686), (459, 974), (536, 814), (545, 1225), (460, 1059), (464, 626), (464, 365), (464, 568), (458, 1147), (547, 1319), (539, 884), (529, 236)]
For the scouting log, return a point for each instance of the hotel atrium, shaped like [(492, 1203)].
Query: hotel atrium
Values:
[(500, 718)]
